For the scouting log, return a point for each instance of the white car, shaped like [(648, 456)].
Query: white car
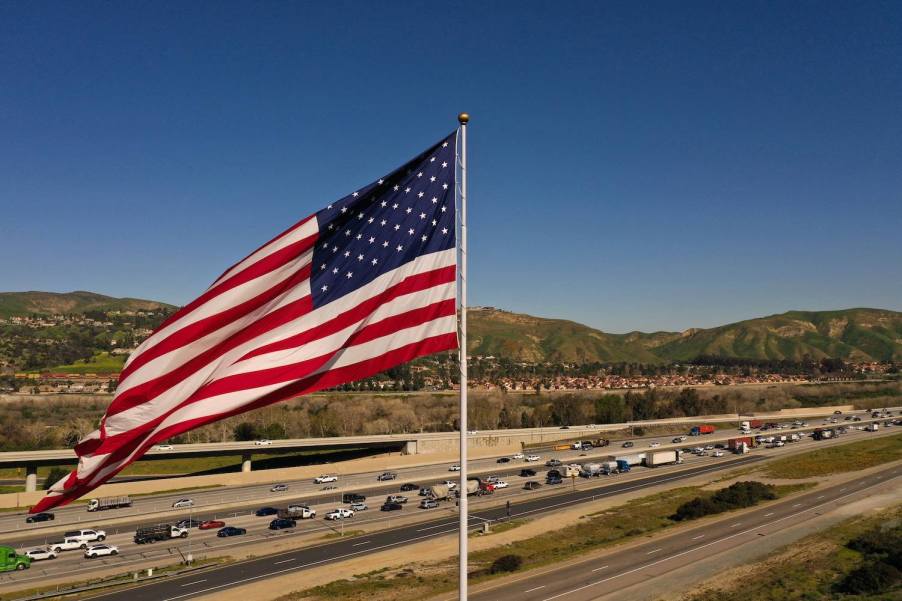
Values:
[(183, 503), (654, 445), (164, 447), (262, 443), (41, 554), (532, 458), (500, 484), (451, 484), (360, 506), (339, 513), (101, 551), (454, 468), (325, 479), (517, 456), (717, 453), (472, 431)]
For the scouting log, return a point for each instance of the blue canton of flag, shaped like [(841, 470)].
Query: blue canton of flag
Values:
[(404, 215)]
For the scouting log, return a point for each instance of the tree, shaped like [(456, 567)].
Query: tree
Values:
[(53, 476), (246, 431)]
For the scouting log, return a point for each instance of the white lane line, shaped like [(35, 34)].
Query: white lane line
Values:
[(436, 526), (841, 489), (797, 505), (699, 536), (736, 524), (193, 583), (534, 589), (767, 515), (599, 569), (366, 542), (275, 563), (714, 542), (654, 551), (821, 497)]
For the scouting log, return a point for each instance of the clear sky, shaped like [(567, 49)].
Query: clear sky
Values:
[(634, 165)]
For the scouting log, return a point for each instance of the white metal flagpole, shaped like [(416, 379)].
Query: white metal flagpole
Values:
[(463, 118)]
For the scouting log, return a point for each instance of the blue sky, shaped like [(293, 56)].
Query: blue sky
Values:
[(633, 165)]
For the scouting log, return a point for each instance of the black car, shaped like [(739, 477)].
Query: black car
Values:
[(627, 444), (232, 531), (352, 497), (503, 460), (188, 523), (264, 511), (391, 507), (386, 476), (532, 485), (527, 473), (280, 523), (553, 474), (409, 486), (552, 480), (40, 517)]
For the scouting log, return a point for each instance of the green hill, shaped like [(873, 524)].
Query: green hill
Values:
[(56, 303)]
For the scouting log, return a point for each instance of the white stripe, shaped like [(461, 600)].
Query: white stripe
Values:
[(130, 418), (306, 230), (224, 403), (218, 304)]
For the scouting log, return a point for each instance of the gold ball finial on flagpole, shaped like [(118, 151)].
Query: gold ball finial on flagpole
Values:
[(463, 118)]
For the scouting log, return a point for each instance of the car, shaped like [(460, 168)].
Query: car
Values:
[(425, 492), (717, 453), (230, 531), (189, 523), (837, 412), (491, 479), (527, 473), (503, 460), (211, 524), (532, 458), (451, 484), (709, 447), (391, 507), (325, 479), (353, 497), (556, 480), (428, 504), (856, 419), (408, 486), (676, 440), (396, 499), (532, 485), (500, 484), (40, 554), (44, 516), (262, 443), (101, 551), (278, 488), (359, 506), (282, 523), (386, 476), (183, 503), (454, 468), (265, 511), (517, 456), (654, 445), (553, 463), (164, 447), (586, 446), (339, 513), (627, 444), (472, 431)]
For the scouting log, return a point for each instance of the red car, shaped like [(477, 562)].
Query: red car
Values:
[(211, 524)]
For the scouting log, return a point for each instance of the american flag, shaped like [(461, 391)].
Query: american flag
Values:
[(363, 285)]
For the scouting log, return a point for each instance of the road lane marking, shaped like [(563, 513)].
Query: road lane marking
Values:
[(285, 561), (436, 526), (797, 505), (599, 569), (767, 515), (699, 536), (366, 542), (821, 497), (534, 589), (193, 583), (736, 524), (654, 551)]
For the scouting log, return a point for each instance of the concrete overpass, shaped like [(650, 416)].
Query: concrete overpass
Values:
[(409, 444)]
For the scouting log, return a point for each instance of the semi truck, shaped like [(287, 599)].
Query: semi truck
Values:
[(658, 458), (104, 503), (872, 427), (703, 429), (160, 532), (733, 443), (439, 492), (823, 433), (623, 465), (633, 459), (10, 560)]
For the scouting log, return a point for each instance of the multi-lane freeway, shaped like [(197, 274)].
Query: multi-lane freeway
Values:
[(417, 524)]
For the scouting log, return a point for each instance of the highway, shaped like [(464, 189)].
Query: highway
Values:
[(612, 572), (427, 523)]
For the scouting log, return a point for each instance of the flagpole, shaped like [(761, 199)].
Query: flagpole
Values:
[(463, 119)]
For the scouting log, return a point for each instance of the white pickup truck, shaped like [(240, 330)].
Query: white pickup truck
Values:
[(67, 544), (88, 536), (325, 479)]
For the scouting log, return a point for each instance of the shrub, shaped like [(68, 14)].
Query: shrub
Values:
[(53, 475), (506, 563), (870, 578), (735, 496)]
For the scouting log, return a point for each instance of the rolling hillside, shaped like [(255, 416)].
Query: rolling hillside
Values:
[(49, 303)]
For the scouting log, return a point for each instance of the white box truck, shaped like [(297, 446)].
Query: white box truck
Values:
[(659, 458)]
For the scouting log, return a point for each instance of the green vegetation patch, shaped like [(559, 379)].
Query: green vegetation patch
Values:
[(838, 459)]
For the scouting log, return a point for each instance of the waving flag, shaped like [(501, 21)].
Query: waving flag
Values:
[(363, 285)]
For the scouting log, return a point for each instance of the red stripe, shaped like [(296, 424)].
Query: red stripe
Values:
[(260, 268)]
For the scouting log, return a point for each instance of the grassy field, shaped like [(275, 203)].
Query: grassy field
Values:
[(640, 517), (805, 570), (100, 363), (838, 459)]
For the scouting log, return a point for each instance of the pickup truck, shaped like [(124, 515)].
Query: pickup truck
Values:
[(325, 479), (67, 544), (88, 536), (339, 514)]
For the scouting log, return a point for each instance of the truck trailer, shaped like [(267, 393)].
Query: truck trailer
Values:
[(733, 443), (159, 532), (658, 458), (633, 459), (104, 503), (703, 429)]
